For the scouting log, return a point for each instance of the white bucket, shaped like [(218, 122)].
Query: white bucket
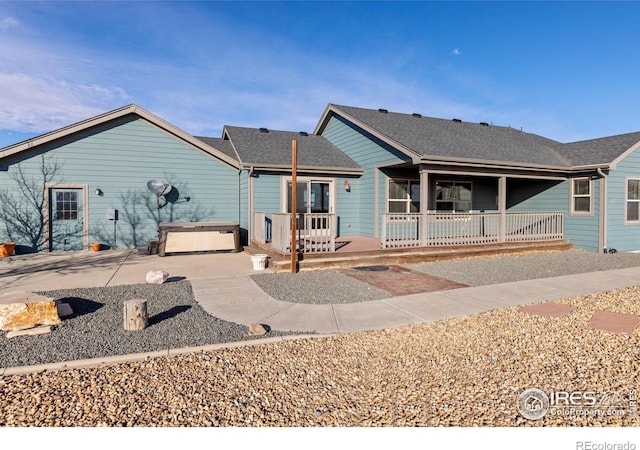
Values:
[(259, 261)]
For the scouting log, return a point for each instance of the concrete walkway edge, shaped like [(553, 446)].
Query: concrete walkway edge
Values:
[(246, 303), (120, 359)]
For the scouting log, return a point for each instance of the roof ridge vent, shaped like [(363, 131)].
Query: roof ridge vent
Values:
[(384, 111), (303, 133), (416, 115), (484, 124), (457, 120), (264, 130)]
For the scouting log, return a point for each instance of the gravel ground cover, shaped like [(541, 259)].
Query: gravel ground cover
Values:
[(477, 271), (327, 286), (96, 328), (317, 287), (465, 371)]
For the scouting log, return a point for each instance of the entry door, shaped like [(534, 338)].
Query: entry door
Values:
[(313, 196), (66, 216)]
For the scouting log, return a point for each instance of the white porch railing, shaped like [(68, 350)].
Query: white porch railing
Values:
[(401, 230), (534, 226), (440, 229), (462, 229), (316, 232)]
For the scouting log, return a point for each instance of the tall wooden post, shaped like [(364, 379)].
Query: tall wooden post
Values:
[(294, 205)]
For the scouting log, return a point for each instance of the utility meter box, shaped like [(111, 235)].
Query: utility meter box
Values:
[(112, 214)]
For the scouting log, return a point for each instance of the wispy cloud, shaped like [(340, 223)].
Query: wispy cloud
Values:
[(204, 81), (38, 104), (8, 22)]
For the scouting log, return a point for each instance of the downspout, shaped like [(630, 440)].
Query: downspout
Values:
[(602, 238), (250, 214)]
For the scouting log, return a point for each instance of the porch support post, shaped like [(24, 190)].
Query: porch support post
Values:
[(502, 208), (424, 205)]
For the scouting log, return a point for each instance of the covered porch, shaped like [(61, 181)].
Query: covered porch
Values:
[(407, 207)]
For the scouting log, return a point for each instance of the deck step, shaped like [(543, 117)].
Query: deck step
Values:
[(409, 256)]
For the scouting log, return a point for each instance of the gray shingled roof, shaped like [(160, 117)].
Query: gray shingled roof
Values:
[(222, 145), (599, 151), (430, 137), (274, 148)]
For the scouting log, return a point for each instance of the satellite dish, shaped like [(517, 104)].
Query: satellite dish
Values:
[(158, 187)]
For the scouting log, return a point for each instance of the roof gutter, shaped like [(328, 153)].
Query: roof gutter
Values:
[(496, 165), (309, 169)]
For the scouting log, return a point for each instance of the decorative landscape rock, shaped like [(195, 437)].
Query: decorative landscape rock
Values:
[(157, 276), (64, 310), (257, 329), (23, 310)]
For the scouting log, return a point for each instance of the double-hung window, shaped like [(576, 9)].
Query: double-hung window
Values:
[(632, 210), (403, 196), (581, 198)]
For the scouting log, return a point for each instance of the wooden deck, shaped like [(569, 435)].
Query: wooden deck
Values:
[(362, 251)]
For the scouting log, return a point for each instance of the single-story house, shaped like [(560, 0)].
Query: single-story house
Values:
[(404, 179)]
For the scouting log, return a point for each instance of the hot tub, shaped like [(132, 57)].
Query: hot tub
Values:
[(184, 237)]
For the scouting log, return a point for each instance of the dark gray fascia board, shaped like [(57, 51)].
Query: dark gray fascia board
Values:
[(309, 169)]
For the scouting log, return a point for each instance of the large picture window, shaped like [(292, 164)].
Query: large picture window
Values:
[(453, 196), (633, 201), (581, 196), (403, 196)]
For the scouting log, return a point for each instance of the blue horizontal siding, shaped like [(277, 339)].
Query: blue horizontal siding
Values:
[(621, 236), (347, 206), (119, 160), (551, 196), (368, 152)]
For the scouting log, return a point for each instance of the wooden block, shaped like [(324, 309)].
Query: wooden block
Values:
[(30, 332), (135, 314)]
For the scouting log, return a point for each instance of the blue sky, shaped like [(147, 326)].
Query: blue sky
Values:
[(565, 70)]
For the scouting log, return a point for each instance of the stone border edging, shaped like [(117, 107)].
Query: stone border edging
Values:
[(120, 359)]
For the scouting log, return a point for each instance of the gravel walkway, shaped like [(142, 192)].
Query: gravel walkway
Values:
[(96, 328), (317, 287)]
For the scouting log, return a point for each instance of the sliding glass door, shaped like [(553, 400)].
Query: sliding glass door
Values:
[(313, 196)]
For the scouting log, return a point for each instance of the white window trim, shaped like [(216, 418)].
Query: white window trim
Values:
[(407, 200), (573, 196), (626, 201), (286, 179)]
